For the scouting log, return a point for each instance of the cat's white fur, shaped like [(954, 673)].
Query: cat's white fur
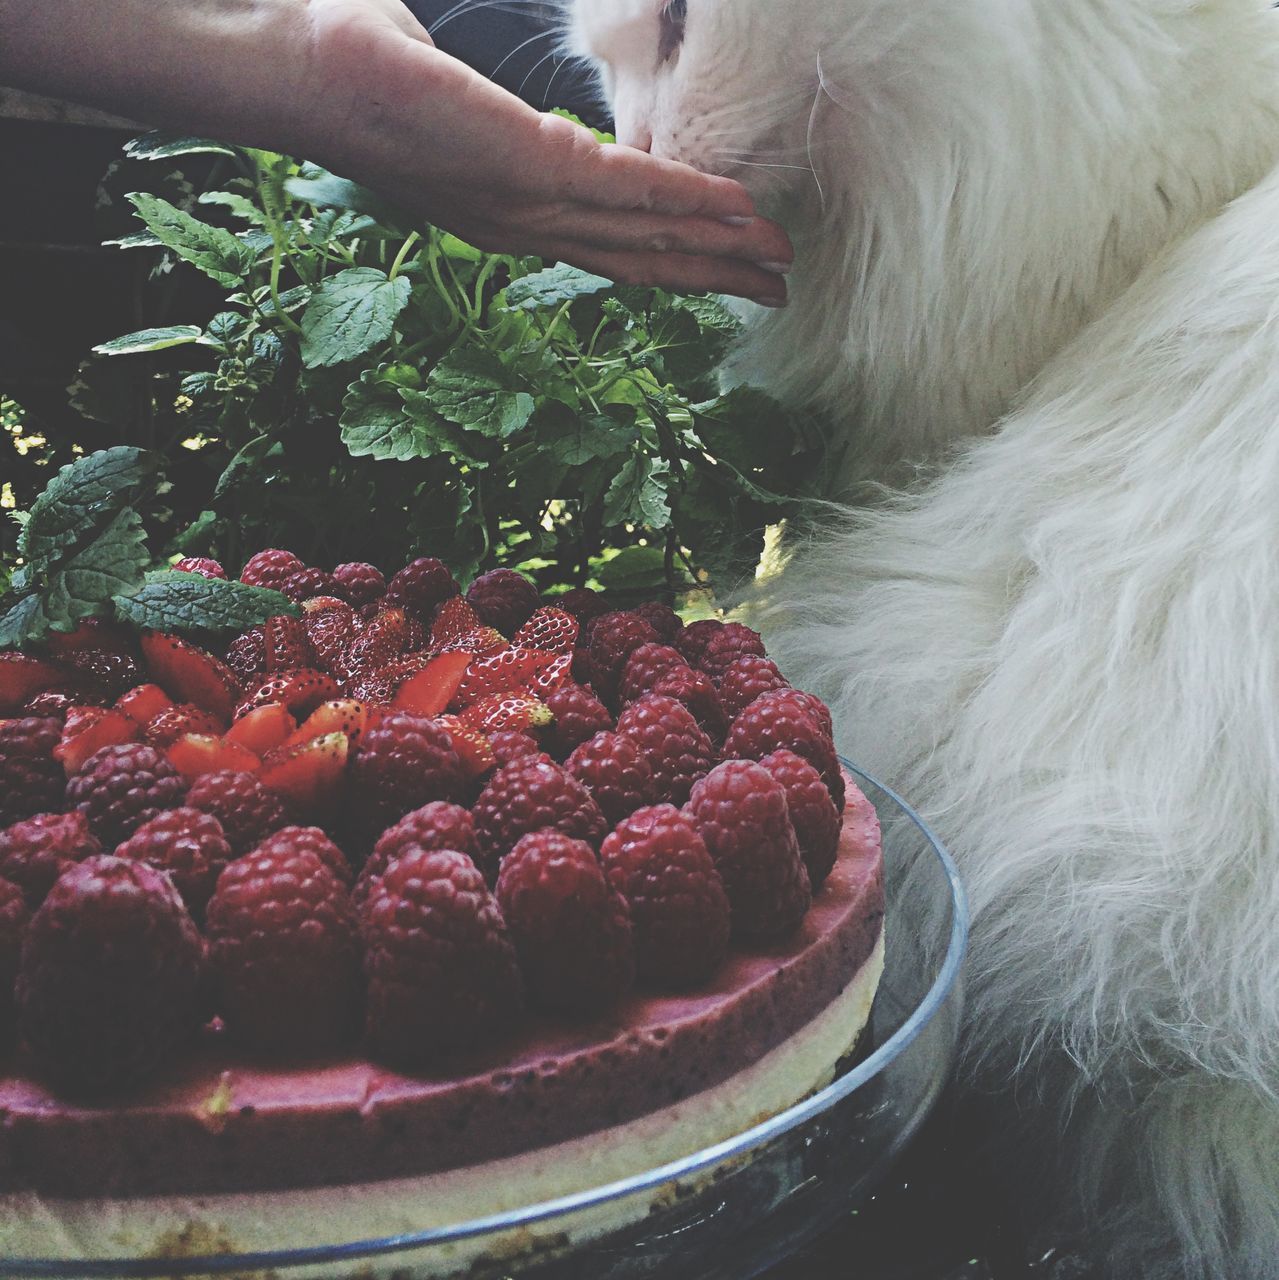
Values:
[(1038, 280)]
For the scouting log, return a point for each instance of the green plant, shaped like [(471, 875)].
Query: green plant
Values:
[(372, 389)]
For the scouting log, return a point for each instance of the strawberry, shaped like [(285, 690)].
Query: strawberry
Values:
[(143, 703), (479, 641), (550, 629), (190, 674), (380, 685), (341, 715), (473, 747), (308, 774), (506, 711), (301, 691), (278, 644), (171, 723), (263, 729), (89, 729), (385, 637), (509, 671), (22, 676), (556, 673), (454, 619), (91, 633), (195, 754), (430, 690)]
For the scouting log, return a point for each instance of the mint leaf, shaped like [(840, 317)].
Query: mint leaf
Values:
[(188, 602), (318, 187), (553, 287), (113, 562), (23, 623), (167, 146), (638, 493), (174, 335), (470, 387), (237, 205), (349, 314), (213, 250), (444, 436), (634, 569)]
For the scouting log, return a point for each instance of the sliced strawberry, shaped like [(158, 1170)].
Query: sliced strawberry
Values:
[(330, 631), (554, 630), (342, 715), (22, 677), (454, 619), (89, 729), (504, 672), (174, 722), (278, 644), (478, 641), (195, 754), (387, 636), (91, 633), (301, 691), (431, 689), (473, 748), (552, 675), (143, 702), (308, 774), (190, 674), (506, 711), (263, 729)]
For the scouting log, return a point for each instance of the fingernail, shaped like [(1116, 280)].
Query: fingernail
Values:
[(777, 268), (736, 220)]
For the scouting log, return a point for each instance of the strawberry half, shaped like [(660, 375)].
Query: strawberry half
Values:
[(387, 636), (263, 729), (505, 672), (309, 774), (430, 690), (173, 722), (549, 628), (473, 748), (89, 729), (22, 677), (190, 674), (301, 691), (480, 640), (552, 675), (506, 711), (454, 619), (342, 715), (143, 703), (195, 754)]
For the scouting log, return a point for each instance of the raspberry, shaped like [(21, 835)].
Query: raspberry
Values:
[(692, 641), (512, 744), (404, 762), (503, 599), (284, 952), (740, 811), (815, 708), (731, 642), (579, 715), (304, 583), (422, 585), (14, 917), (614, 637), (34, 853), (121, 787), (675, 745), (247, 811), (106, 674), (279, 644), (526, 796), (583, 670), (359, 583), (662, 618), (438, 825), (697, 692), (583, 603), (611, 767), (571, 930), (197, 564), (779, 719), (313, 840), (657, 861), (441, 968), (188, 845), (643, 667), (31, 780), (110, 979), (745, 679), (169, 725), (270, 569), (812, 812)]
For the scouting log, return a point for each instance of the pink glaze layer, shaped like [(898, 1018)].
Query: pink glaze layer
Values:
[(224, 1123)]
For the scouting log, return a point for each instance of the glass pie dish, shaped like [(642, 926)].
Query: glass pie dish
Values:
[(727, 1211)]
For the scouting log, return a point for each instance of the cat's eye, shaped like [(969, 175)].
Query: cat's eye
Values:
[(671, 21)]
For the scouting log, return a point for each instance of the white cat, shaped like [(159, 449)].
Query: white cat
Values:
[(1038, 279)]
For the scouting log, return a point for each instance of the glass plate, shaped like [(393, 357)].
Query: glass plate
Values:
[(724, 1213)]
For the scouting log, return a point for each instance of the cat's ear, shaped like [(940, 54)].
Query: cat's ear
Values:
[(671, 20)]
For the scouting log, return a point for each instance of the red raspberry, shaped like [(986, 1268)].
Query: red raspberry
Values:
[(441, 968), (189, 846), (422, 586), (526, 796), (438, 825), (692, 641), (643, 667), (305, 583), (111, 973), (270, 569), (247, 811), (731, 642), (583, 603), (579, 715), (294, 840), (284, 952), (815, 707), (503, 599), (279, 644), (34, 853), (583, 670), (404, 762), (513, 744), (740, 811), (697, 692), (121, 787), (745, 679), (662, 618), (614, 637), (359, 582), (779, 719), (812, 812), (107, 675), (31, 780), (675, 745), (205, 568), (571, 929), (657, 861), (612, 768), (14, 916), (165, 728)]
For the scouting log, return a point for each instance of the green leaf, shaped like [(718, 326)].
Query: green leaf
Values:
[(24, 622), (553, 287), (189, 602), (577, 439), (318, 187), (224, 331), (213, 250), (471, 387), (638, 493), (349, 314), (633, 569), (444, 436), (113, 562), (167, 146), (139, 240), (174, 335), (238, 206), (245, 460), (452, 247)]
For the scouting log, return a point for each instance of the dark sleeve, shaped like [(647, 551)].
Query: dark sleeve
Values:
[(518, 46)]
